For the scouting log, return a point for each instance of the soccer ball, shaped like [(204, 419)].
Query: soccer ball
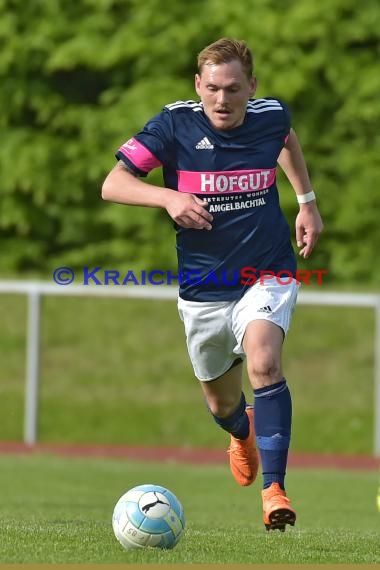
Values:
[(148, 515)]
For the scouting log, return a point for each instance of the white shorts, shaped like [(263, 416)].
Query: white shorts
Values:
[(215, 329)]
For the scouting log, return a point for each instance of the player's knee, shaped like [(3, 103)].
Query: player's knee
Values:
[(263, 368)]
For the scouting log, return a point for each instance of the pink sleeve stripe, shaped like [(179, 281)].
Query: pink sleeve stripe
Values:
[(139, 155), (228, 182)]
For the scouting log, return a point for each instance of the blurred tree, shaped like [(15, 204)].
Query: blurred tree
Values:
[(79, 77)]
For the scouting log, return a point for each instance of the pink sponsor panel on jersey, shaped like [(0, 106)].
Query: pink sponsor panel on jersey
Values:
[(139, 155), (228, 182)]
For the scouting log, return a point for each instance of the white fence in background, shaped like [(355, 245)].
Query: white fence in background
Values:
[(35, 290)]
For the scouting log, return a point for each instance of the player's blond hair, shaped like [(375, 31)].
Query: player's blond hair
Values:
[(224, 51)]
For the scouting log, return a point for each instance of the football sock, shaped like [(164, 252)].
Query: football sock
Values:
[(237, 424), (273, 419)]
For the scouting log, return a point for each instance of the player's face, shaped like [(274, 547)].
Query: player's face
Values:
[(224, 90)]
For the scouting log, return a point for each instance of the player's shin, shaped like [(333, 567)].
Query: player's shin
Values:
[(273, 417), (237, 423)]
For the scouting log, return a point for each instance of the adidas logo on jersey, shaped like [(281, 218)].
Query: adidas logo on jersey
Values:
[(204, 144), (266, 309)]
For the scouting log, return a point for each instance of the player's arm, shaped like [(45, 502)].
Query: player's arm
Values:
[(124, 187), (308, 222)]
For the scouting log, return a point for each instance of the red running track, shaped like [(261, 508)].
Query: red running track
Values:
[(192, 455)]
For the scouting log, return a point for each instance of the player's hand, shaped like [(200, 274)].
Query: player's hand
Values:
[(188, 211), (309, 225)]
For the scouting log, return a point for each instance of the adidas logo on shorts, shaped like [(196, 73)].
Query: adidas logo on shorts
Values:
[(204, 144), (266, 309)]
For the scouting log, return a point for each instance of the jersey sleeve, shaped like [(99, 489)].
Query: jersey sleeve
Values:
[(287, 121), (150, 148)]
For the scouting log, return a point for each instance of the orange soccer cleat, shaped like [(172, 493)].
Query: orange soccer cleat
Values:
[(244, 460), (277, 509)]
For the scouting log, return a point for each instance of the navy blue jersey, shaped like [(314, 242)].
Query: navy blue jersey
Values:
[(235, 171)]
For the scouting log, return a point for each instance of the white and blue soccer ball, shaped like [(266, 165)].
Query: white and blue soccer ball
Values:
[(148, 515)]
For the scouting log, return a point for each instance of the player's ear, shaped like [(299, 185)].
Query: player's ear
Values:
[(197, 83), (253, 85)]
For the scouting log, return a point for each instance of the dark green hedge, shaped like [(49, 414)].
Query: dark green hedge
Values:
[(78, 77)]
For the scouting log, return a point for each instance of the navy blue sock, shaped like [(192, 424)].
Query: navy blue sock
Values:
[(237, 424), (273, 420)]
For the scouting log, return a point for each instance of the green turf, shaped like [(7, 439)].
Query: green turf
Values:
[(117, 371), (59, 510)]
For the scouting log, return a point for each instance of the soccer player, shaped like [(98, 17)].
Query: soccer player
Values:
[(219, 158)]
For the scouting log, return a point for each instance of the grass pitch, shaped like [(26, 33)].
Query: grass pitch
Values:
[(57, 510)]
